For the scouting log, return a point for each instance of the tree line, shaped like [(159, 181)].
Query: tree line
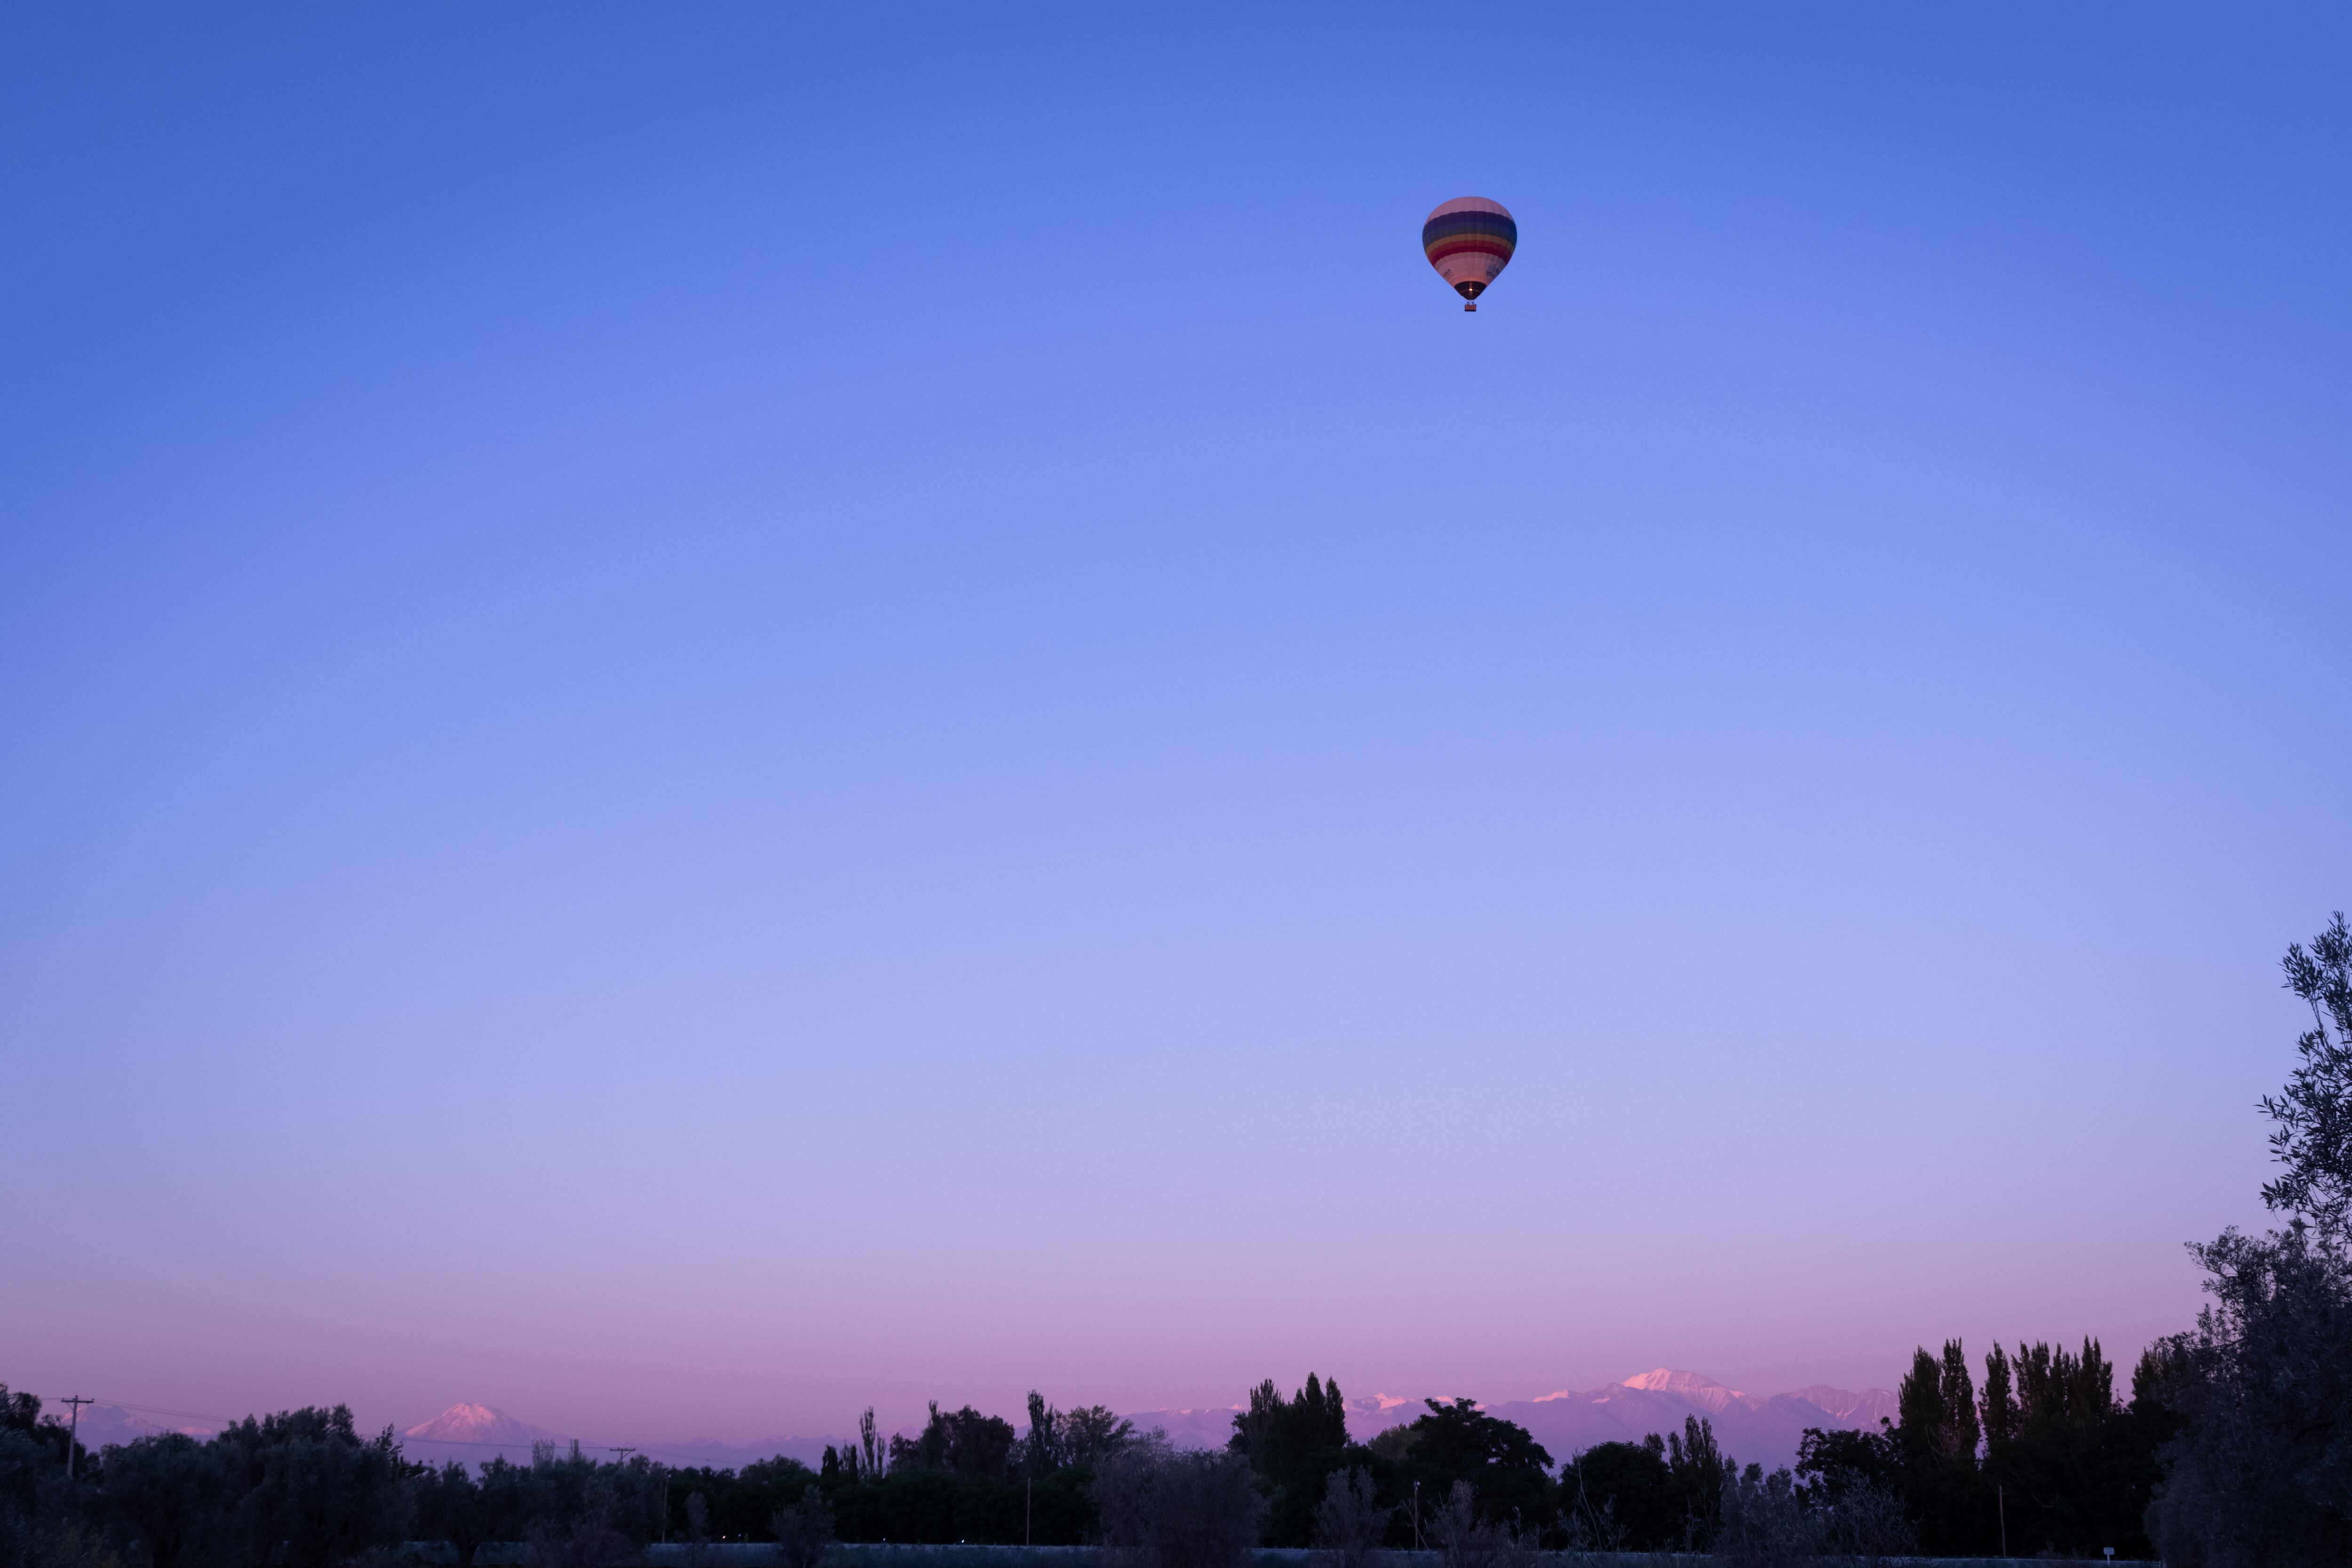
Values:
[(2234, 1449), (305, 1489)]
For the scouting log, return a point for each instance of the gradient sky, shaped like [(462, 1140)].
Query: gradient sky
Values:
[(707, 715)]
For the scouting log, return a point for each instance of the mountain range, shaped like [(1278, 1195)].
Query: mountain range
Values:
[(1753, 1430), (1762, 1430), (1765, 1430), (476, 1433)]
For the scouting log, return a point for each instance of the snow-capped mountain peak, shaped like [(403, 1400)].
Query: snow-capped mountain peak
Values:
[(1665, 1380), (477, 1423)]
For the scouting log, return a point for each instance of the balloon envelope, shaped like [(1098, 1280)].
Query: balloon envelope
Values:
[(1469, 241)]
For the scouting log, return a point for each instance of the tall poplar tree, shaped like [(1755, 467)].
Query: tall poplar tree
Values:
[(1935, 1442), (1294, 1446)]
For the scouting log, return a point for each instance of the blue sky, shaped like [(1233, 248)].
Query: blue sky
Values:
[(708, 717)]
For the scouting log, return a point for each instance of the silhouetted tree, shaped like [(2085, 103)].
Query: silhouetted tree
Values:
[(1620, 1496), (1838, 1460), (2260, 1470), (739, 1504), (1935, 1441), (963, 1441), (584, 1514), (170, 1495), (863, 1460), (803, 1530), (969, 1477), (2311, 1137), (1274, 1433), (1162, 1509), (1865, 1522), (1350, 1522), (979, 1445), (1092, 1434), (45, 1517), (1041, 1451), (506, 1488), (310, 1491), (1507, 1471), (1462, 1540), (1294, 1444), (451, 1508), (927, 1450), (2070, 1467), (1762, 1521), (1698, 1471)]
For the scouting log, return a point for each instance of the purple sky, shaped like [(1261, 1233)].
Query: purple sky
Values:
[(708, 717)]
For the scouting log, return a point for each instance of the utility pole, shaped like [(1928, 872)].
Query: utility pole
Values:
[(1416, 1516), (73, 1425), (1028, 1511), (623, 1451), (2001, 1504)]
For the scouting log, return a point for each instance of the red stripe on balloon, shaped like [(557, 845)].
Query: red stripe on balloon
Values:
[(1475, 244)]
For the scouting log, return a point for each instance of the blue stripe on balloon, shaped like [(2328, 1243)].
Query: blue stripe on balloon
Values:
[(1453, 224)]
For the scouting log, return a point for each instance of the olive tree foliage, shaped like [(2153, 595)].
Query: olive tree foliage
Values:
[(168, 1497), (2312, 1135), (1866, 1523), (1350, 1522), (1467, 1538), (1764, 1521), (1769, 1519), (804, 1529), (2261, 1471), (44, 1517), (451, 1506), (1162, 1507), (578, 1513), (1461, 1538), (310, 1491)]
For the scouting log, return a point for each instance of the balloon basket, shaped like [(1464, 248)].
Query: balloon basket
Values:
[(1470, 305)]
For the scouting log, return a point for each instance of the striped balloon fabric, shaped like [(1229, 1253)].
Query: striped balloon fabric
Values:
[(1469, 241)]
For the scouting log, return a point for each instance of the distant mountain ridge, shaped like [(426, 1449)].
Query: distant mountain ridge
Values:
[(1760, 1431), (476, 1434), (1207, 1427), (1863, 1410), (112, 1426), (1763, 1431)]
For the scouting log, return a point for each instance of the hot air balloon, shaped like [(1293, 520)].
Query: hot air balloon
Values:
[(1469, 241)]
